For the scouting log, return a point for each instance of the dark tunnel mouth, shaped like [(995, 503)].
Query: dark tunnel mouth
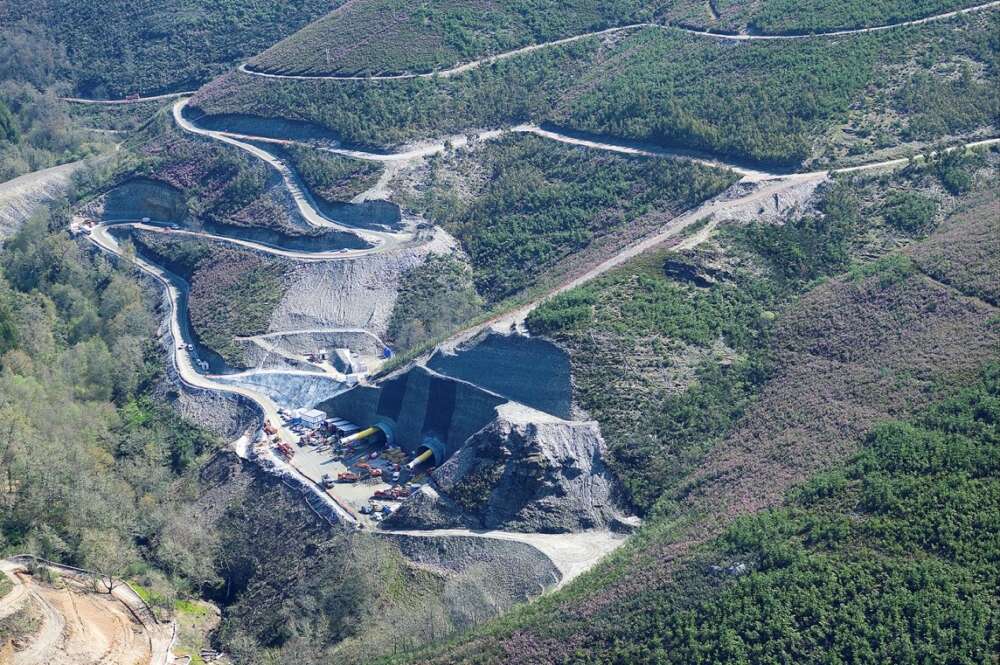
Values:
[(437, 450)]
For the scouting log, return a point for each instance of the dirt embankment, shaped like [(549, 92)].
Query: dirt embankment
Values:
[(20, 197), (72, 624)]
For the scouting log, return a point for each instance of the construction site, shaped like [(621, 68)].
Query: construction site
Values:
[(388, 454)]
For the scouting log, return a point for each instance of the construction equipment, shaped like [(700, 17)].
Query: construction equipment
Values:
[(348, 477), (392, 494), (270, 429)]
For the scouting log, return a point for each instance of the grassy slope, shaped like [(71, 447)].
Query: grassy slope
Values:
[(538, 204), (331, 177), (233, 292), (117, 48), (879, 343), (765, 102), (797, 17), (391, 36)]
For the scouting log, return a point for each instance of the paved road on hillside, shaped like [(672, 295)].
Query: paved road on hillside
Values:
[(246, 68), (296, 188), (436, 146), (137, 100), (306, 256)]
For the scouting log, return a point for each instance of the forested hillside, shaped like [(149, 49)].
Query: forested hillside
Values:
[(753, 429), (95, 462), (390, 36), (777, 103), (113, 49), (642, 332)]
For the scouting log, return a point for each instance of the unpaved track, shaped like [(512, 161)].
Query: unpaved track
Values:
[(13, 601), (115, 102), (80, 627), (474, 64)]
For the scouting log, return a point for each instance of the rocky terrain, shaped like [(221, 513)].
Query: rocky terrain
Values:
[(525, 471)]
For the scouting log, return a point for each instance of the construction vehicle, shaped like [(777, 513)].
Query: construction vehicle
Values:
[(270, 429), (327, 480), (392, 494), (348, 477), (286, 449)]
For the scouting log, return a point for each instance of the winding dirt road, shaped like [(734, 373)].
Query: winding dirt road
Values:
[(246, 68), (80, 627)]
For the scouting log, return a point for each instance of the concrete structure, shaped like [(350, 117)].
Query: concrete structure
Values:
[(523, 369), (310, 417), (420, 409), (344, 361)]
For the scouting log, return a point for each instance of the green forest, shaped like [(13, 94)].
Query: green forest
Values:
[(94, 461), (541, 203), (796, 17), (111, 50)]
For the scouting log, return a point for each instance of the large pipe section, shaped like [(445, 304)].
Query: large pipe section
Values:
[(363, 434), (420, 459)]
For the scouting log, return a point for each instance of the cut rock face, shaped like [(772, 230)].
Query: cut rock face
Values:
[(525, 471)]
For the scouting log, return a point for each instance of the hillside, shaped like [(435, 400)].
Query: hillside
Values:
[(475, 332), (392, 37), (805, 408), (764, 102), (113, 49)]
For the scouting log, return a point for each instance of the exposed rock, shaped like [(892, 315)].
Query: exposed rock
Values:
[(684, 271), (352, 293), (524, 369), (22, 196), (138, 198), (517, 571), (525, 471)]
